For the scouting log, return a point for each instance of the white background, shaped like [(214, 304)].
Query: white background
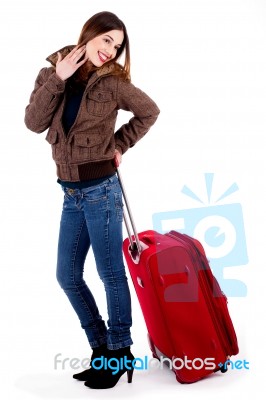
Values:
[(203, 62)]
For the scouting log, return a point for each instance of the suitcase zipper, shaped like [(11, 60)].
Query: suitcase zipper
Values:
[(204, 284), (224, 332)]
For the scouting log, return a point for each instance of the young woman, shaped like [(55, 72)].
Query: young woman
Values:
[(78, 98)]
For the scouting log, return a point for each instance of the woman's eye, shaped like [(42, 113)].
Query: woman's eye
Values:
[(107, 40)]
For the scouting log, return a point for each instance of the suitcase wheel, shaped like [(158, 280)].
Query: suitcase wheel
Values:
[(224, 368)]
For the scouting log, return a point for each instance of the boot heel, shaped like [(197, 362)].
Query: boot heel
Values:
[(130, 375)]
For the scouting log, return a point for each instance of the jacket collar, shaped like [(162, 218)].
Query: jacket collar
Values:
[(52, 58)]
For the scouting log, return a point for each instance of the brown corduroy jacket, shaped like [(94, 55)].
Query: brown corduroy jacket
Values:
[(92, 137)]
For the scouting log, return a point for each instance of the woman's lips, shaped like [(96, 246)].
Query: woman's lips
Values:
[(102, 56)]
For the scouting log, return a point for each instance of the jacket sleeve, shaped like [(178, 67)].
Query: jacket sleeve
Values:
[(145, 112), (44, 99)]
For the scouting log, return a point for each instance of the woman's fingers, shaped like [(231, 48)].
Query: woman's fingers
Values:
[(118, 158), (73, 51), (79, 63), (76, 52), (65, 67), (80, 52), (59, 57)]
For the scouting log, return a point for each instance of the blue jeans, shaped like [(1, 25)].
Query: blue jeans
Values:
[(93, 217)]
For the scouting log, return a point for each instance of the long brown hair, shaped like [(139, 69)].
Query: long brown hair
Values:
[(99, 24)]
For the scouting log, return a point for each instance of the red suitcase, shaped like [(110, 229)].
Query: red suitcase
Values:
[(185, 311)]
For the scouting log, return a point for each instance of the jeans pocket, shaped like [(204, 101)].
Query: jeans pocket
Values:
[(95, 194), (96, 203)]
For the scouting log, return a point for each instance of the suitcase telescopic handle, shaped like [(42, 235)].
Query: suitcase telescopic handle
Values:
[(135, 246)]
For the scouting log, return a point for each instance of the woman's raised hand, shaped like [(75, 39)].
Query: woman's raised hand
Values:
[(67, 66)]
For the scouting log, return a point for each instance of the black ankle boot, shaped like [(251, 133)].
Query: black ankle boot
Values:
[(88, 373), (112, 368)]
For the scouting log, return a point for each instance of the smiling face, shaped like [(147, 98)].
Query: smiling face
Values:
[(104, 47)]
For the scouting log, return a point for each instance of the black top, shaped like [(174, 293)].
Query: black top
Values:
[(72, 104)]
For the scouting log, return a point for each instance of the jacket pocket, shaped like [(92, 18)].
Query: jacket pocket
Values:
[(52, 136), (83, 144), (99, 102), (88, 139)]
